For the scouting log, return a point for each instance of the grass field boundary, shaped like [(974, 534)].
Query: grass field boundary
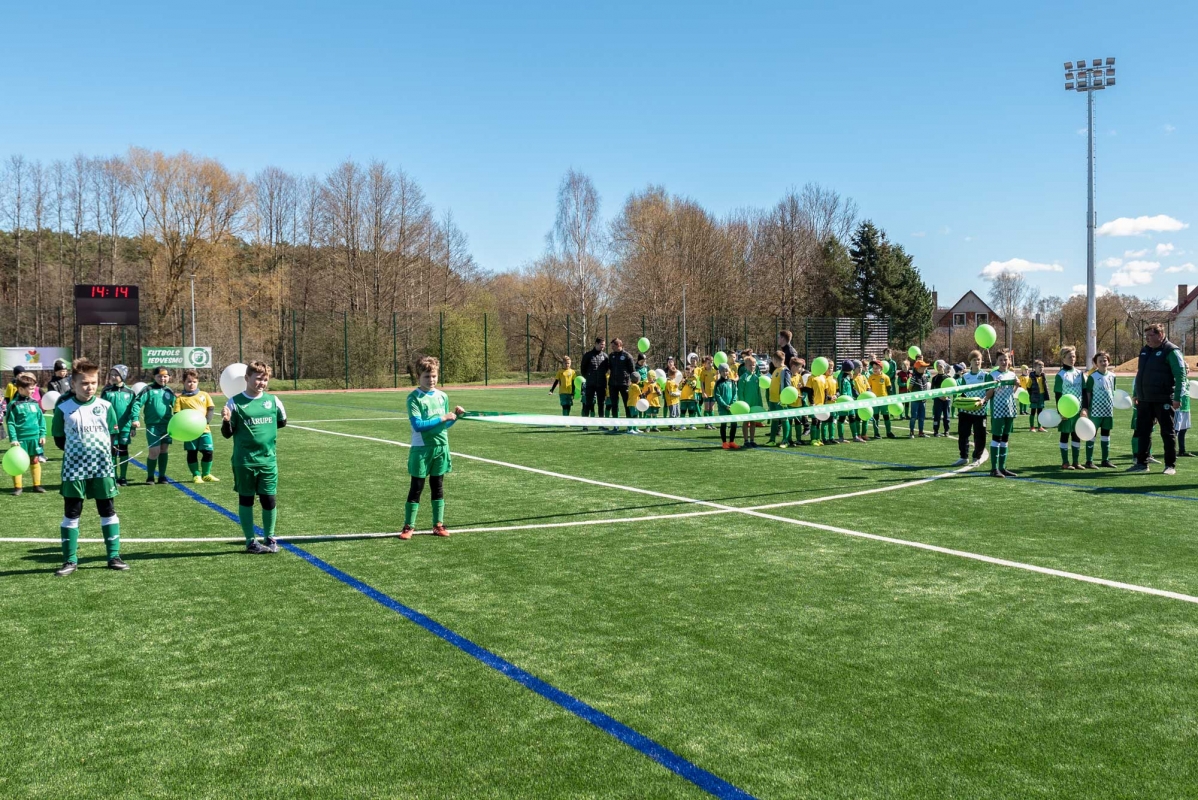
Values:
[(707, 781), (1002, 562)]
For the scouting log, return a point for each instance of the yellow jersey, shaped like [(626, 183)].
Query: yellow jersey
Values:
[(797, 382), (565, 379), (1025, 381), (634, 394), (775, 395), (673, 393), (651, 392), (707, 378), (879, 384), (830, 387), (860, 383), (200, 401), (688, 388)]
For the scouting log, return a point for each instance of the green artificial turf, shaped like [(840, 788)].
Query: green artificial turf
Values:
[(789, 660)]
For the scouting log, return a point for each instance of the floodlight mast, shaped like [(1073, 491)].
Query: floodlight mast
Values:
[(1081, 78)]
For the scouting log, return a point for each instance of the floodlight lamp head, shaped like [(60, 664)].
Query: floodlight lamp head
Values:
[(1096, 62), (1068, 65), (1110, 62)]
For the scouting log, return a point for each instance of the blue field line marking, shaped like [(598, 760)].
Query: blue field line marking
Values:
[(708, 782), (700, 777)]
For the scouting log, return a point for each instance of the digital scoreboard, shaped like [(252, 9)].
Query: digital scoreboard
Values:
[(106, 304)]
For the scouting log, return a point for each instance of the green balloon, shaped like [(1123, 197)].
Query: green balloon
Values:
[(865, 414), (985, 336), (16, 461), (187, 425), (720, 358), (819, 366), (789, 395), (948, 383), (866, 396), (757, 410), (642, 344), (914, 352), (1022, 396), (1068, 406), (895, 410), (739, 407), (763, 381)]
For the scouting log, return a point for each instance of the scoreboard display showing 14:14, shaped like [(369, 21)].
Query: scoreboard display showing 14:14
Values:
[(106, 304)]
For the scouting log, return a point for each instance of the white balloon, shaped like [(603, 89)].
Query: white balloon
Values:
[(1049, 418), (137, 387), (1193, 390), (661, 374), (1085, 429), (232, 380), (642, 405), (1122, 400), (823, 416), (693, 358), (49, 400)]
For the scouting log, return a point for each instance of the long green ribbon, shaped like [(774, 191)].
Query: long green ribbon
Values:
[(551, 420)]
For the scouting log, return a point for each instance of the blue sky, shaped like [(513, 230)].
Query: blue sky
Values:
[(948, 123)]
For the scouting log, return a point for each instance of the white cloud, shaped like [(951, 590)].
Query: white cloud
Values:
[(1165, 249), (1019, 265), (1169, 128), (1111, 262), (946, 230), (920, 234), (1099, 290), (1081, 131), (969, 238), (1135, 253), (1181, 268), (1127, 226), (1134, 273)]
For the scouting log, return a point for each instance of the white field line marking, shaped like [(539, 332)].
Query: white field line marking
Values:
[(1002, 562)]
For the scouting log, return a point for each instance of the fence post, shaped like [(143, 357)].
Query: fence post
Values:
[(807, 339), (606, 326), (294, 355), (183, 327), (642, 326), (486, 359), (441, 340), (528, 349), (394, 353), (1034, 339), (568, 337), (345, 344), (240, 355)]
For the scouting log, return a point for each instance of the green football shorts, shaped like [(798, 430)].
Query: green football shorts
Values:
[(1103, 423), (156, 435), (201, 442), (31, 447), (567, 400), (90, 489), (429, 460), (250, 480), (1001, 426)]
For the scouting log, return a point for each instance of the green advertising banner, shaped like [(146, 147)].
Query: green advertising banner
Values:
[(176, 357)]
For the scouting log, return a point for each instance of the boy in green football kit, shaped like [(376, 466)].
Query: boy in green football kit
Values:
[(1004, 408), (26, 427), (1072, 381), (83, 429), (1099, 403), (428, 458), (158, 402), (252, 420), (122, 399)]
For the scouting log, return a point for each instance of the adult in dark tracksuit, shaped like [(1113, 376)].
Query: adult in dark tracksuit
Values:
[(594, 371), (620, 371), (1157, 390)]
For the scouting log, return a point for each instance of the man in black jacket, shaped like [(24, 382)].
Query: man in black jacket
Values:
[(784, 344), (620, 369), (1160, 380), (594, 371)]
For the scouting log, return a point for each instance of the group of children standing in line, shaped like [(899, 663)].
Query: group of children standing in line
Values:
[(704, 389)]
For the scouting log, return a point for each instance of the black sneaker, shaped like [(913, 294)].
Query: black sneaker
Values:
[(996, 474), (270, 544), (1187, 455), (1137, 468), (162, 480), (255, 548), (150, 481), (1007, 473), (122, 482), (117, 564), (66, 569)]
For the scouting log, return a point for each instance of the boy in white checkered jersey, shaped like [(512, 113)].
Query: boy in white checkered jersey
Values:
[(1098, 399), (83, 427)]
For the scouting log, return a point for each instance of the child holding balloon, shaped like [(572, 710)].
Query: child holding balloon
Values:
[(26, 427), (1003, 410), (708, 375), (779, 379), (252, 419), (725, 395), (198, 450), (1070, 382), (1098, 400), (157, 401), (880, 385), (565, 380), (748, 389), (122, 400)]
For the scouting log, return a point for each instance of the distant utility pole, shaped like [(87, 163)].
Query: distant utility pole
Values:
[(1080, 78)]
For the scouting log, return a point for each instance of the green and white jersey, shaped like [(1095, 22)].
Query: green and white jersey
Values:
[(158, 403), (87, 428), (1003, 405), (425, 410), (1070, 381), (255, 422), (972, 379), (1101, 387)]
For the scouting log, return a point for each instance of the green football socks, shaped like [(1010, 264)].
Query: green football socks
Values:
[(112, 539), (70, 544), (1089, 451), (151, 464), (1106, 448), (205, 468), (124, 468), (162, 465), (245, 516), (438, 512), (269, 517), (194, 468), (409, 513)]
